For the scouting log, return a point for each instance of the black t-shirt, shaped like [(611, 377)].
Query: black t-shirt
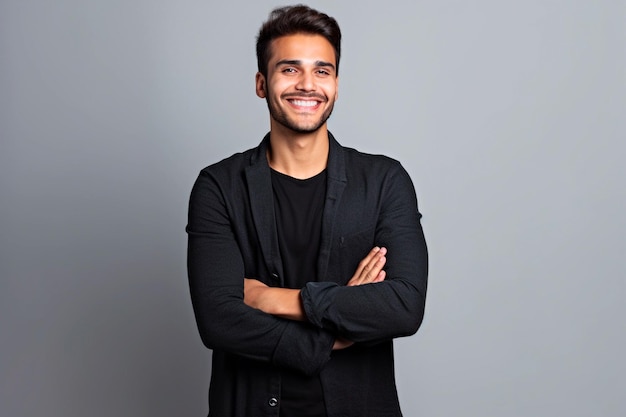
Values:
[(298, 207)]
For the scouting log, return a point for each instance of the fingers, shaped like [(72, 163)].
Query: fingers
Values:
[(370, 269), (381, 276)]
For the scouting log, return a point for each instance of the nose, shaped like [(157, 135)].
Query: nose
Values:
[(306, 82)]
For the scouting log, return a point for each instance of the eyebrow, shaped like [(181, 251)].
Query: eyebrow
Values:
[(299, 63)]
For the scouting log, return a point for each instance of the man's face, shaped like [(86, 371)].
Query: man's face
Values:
[(301, 84)]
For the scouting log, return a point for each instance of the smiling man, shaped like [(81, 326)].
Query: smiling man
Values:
[(306, 259)]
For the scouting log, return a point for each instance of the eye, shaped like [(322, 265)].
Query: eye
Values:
[(289, 70), (323, 72)]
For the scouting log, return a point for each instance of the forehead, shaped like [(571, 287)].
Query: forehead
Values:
[(302, 47)]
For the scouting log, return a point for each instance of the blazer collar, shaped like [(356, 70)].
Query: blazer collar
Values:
[(336, 167)]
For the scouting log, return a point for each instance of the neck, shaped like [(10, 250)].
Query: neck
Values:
[(300, 156)]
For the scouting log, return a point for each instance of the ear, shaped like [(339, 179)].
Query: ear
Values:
[(260, 83), (336, 88)]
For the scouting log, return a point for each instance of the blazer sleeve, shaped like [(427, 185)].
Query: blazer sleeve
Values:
[(216, 272), (394, 307)]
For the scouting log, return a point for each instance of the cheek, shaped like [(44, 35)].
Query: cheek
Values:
[(334, 94), (277, 86), (331, 91)]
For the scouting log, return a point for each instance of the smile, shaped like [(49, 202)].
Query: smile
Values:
[(304, 103)]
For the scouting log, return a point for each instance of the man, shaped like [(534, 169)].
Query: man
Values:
[(287, 245)]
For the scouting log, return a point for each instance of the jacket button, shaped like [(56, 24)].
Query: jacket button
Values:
[(275, 275), (273, 402)]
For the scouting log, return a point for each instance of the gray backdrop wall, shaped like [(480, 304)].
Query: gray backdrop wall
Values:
[(509, 115)]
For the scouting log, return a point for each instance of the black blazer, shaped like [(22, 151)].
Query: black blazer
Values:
[(370, 200)]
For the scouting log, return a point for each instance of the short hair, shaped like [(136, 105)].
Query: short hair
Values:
[(290, 20)]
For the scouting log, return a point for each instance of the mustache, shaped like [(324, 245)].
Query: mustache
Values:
[(305, 95)]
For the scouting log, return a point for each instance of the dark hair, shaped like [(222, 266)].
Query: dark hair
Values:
[(290, 20)]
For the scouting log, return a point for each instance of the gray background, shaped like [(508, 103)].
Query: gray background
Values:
[(509, 115)]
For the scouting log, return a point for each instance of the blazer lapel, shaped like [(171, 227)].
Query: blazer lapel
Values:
[(262, 206), (336, 183)]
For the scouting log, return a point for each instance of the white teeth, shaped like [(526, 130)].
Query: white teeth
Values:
[(304, 103)]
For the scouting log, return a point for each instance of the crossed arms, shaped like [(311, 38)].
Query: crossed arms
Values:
[(286, 303), (299, 328)]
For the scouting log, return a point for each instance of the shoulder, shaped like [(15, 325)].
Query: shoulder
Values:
[(233, 163), (361, 158), (370, 165), (355, 159), (231, 170), (237, 163), (227, 176), (376, 172)]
